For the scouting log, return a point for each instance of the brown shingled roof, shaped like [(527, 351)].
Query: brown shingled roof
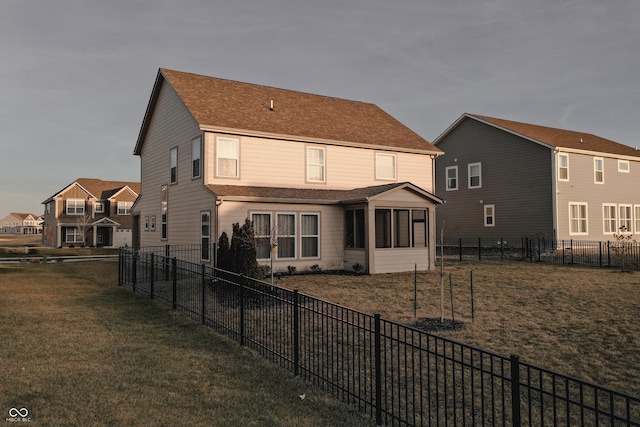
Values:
[(99, 188), (562, 138), (220, 103)]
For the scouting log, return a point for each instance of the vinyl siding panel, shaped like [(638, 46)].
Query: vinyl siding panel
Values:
[(516, 179), (281, 163), (618, 188), (331, 230), (171, 126)]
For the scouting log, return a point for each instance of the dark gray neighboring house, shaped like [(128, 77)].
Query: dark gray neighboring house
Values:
[(505, 179)]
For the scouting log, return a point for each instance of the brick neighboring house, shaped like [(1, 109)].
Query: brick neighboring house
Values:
[(506, 179), (20, 223), (326, 181), (90, 212)]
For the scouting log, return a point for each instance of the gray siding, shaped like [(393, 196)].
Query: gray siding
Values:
[(516, 179)]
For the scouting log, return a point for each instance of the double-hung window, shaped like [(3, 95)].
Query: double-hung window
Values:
[(173, 170), (310, 235), (315, 164), (475, 175), (452, 178), (489, 215), (227, 157), (598, 170), (124, 208), (386, 166), (609, 217), (75, 206), (636, 209), (578, 219), (262, 233), (563, 167), (625, 221), (286, 232), (99, 207), (196, 149)]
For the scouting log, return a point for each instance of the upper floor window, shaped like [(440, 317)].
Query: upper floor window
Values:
[(174, 165), (195, 157), (452, 178), (598, 170), (563, 167), (99, 207), (124, 208), (386, 166), (315, 164), (227, 157), (75, 206), (475, 175), (623, 166), (578, 218)]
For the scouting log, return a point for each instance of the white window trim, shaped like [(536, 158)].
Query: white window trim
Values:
[(636, 218), (264, 236), (624, 169), (469, 166), (596, 170), (196, 155), (560, 167), (322, 165), (173, 163), (448, 188), (98, 207), (628, 220), (146, 223), (124, 208), (379, 176), (586, 219), (493, 215), (76, 202), (294, 235), (605, 219), (317, 215), (237, 159)]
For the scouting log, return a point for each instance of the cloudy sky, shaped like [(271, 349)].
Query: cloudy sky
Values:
[(76, 75)]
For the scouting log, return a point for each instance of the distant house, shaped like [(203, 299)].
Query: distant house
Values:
[(20, 223), (505, 179), (90, 212), (325, 181)]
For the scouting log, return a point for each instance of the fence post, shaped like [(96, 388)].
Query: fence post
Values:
[(153, 267), (460, 248), (242, 309), (167, 251), (296, 333), (600, 253), (120, 251), (134, 265), (204, 293), (608, 253), (378, 369), (174, 274), (479, 248), (515, 391), (501, 249)]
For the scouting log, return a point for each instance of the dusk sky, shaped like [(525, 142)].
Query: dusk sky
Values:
[(76, 75)]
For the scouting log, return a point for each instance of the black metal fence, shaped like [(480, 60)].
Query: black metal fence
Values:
[(399, 375), (607, 254)]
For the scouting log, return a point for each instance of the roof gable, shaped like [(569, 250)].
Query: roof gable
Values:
[(243, 107), (550, 137), (98, 189)]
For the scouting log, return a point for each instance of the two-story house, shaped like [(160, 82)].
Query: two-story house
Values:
[(20, 223), (90, 212), (505, 179), (325, 181)]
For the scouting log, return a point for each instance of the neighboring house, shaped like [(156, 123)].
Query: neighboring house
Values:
[(504, 179), (326, 181), (90, 212), (20, 223)]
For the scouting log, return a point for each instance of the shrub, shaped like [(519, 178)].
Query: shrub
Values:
[(291, 269)]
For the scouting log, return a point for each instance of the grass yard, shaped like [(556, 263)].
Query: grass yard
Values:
[(578, 321), (78, 350)]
